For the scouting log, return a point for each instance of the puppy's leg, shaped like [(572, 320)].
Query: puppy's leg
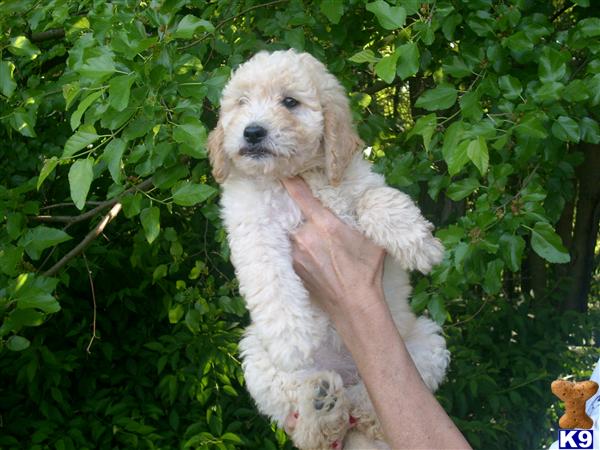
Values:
[(288, 325), (312, 407), (275, 391), (427, 348), (392, 220)]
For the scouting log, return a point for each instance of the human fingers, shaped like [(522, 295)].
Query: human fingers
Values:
[(311, 208)]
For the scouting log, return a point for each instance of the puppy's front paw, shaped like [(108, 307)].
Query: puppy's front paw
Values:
[(428, 254), (322, 419)]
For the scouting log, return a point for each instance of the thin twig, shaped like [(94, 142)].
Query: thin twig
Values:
[(92, 212), (87, 349), (472, 317), (224, 21), (68, 204), (86, 241)]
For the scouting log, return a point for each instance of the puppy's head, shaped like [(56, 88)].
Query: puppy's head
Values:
[(283, 113)]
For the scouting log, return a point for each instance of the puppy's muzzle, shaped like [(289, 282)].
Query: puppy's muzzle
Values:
[(253, 135)]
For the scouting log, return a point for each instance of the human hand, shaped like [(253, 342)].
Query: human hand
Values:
[(338, 265)]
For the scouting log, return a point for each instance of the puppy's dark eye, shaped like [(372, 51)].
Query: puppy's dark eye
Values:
[(290, 102)]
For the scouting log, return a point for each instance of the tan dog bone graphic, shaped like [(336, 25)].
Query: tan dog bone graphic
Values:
[(574, 395)]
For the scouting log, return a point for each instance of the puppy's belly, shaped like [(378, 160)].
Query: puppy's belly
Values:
[(330, 357)]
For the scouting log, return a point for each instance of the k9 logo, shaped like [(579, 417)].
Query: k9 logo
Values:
[(575, 439)]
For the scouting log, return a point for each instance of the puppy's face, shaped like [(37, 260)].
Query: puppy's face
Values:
[(275, 115)]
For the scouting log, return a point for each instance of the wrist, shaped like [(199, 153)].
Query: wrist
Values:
[(359, 313)]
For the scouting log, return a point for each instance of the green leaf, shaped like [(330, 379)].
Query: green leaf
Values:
[(593, 85), (164, 178), (70, 92), (36, 298), (24, 122), (192, 134), (99, 67), (548, 92), (386, 68), (576, 91), (469, 105), (10, 259), (295, 38), (457, 68), (492, 281), (364, 56), (112, 156), (7, 82), (21, 46), (531, 126), (552, 66), (546, 243), (440, 97), (38, 239), (49, 166), (150, 218), (190, 25), (82, 108), (81, 139), (589, 27), (81, 175), (187, 193), (424, 126), (408, 60), (17, 343), (230, 437), (389, 17), (159, 272), (333, 10), (566, 129), (437, 309), (511, 250), (589, 130), (118, 91), (454, 151), (461, 189), (132, 205), (518, 42), (510, 86), (477, 151)]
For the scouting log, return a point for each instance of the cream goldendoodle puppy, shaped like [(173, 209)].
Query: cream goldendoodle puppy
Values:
[(284, 114)]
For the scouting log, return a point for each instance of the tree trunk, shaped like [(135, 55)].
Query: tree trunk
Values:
[(587, 216)]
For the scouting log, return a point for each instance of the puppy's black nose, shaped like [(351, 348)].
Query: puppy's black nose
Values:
[(254, 134)]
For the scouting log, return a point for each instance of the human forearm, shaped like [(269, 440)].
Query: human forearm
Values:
[(409, 414)]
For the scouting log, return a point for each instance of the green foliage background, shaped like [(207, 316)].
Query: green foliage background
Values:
[(119, 309)]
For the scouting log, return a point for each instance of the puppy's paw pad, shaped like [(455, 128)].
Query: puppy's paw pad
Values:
[(325, 395)]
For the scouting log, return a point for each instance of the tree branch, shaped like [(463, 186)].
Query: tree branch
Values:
[(69, 220), (560, 12), (86, 241), (376, 87), (54, 33)]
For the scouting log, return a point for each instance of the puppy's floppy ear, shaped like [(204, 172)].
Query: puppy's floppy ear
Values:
[(340, 139), (216, 153)]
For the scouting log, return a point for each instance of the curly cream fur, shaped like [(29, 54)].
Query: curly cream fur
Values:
[(293, 359)]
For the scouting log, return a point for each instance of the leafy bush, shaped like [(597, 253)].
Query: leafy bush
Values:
[(119, 309)]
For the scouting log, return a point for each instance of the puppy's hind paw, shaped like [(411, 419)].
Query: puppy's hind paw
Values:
[(323, 413)]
